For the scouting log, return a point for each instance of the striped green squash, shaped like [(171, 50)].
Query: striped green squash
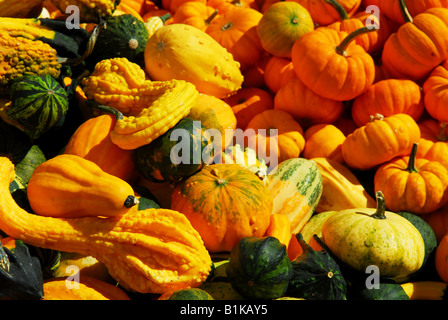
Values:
[(296, 188), (37, 104)]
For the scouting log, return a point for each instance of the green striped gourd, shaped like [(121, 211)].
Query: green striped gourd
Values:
[(37, 104), (296, 188)]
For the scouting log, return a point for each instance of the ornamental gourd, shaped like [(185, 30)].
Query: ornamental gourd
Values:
[(433, 142), (362, 237), (332, 65), (412, 184), (149, 108), (224, 203), (147, 251), (435, 97), (180, 51), (380, 140), (71, 186), (415, 59)]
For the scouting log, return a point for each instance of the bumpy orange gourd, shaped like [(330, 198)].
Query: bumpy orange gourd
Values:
[(148, 251)]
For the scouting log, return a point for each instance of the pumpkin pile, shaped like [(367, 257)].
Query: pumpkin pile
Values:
[(224, 150)]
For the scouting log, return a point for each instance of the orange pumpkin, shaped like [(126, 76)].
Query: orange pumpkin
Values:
[(433, 144), (172, 5), (236, 30), (306, 106), (196, 14), (412, 184), (92, 141), (435, 93), (388, 97), (380, 140), (418, 46), (441, 259), (332, 65), (392, 8), (224, 203), (323, 141), (287, 142), (224, 5), (324, 14), (254, 74), (247, 103), (438, 220), (277, 73), (371, 42)]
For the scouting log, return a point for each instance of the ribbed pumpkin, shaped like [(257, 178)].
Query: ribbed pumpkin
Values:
[(380, 140), (236, 30), (438, 220), (392, 8), (323, 141), (362, 237), (38, 103), (388, 97), (296, 187), (415, 49), (248, 102), (194, 13), (323, 13), (180, 51), (224, 203), (433, 144), (277, 72), (441, 259), (92, 141), (332, 65), (435, 94), (275, 135), (306, 106), (412, 184)]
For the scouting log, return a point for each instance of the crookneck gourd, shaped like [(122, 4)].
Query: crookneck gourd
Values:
[(149, 108), (148, 251)]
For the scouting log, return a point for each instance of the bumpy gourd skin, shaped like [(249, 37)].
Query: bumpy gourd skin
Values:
[(148, 251), (150, 108), (90, 10), (20, 56)]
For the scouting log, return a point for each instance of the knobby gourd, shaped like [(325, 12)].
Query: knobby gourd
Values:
[(148, 251), (149, 108)]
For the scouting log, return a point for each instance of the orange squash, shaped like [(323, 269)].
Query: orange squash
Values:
[(278, 72), (236, 30), (286, 143), (92, 141), (323, 141), (224, 203), (412, 184), (247, 103)]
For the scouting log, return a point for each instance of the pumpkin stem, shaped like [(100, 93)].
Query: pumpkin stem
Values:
[(376, 116), (412, 157), (211, 17), (380, 212), (442, 136), (341, 48), (405, 11), (339, 8), (131, 201), (165, 17)]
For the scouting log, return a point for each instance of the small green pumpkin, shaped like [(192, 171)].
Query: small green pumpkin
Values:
[(259, 268), (317, 275), (38, 103), (176, 154), (122, 36), (384, 291)]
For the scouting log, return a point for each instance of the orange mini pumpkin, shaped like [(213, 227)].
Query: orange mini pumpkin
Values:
[(323, 13), (286, 143), (380, 140), (332, 65), (435, 93), (438, 220), (196, 14), (324, 141), (433, 144), (388, 97), (236, 30), (441, 259), (278, 72), (412, 184), (224, 203)]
